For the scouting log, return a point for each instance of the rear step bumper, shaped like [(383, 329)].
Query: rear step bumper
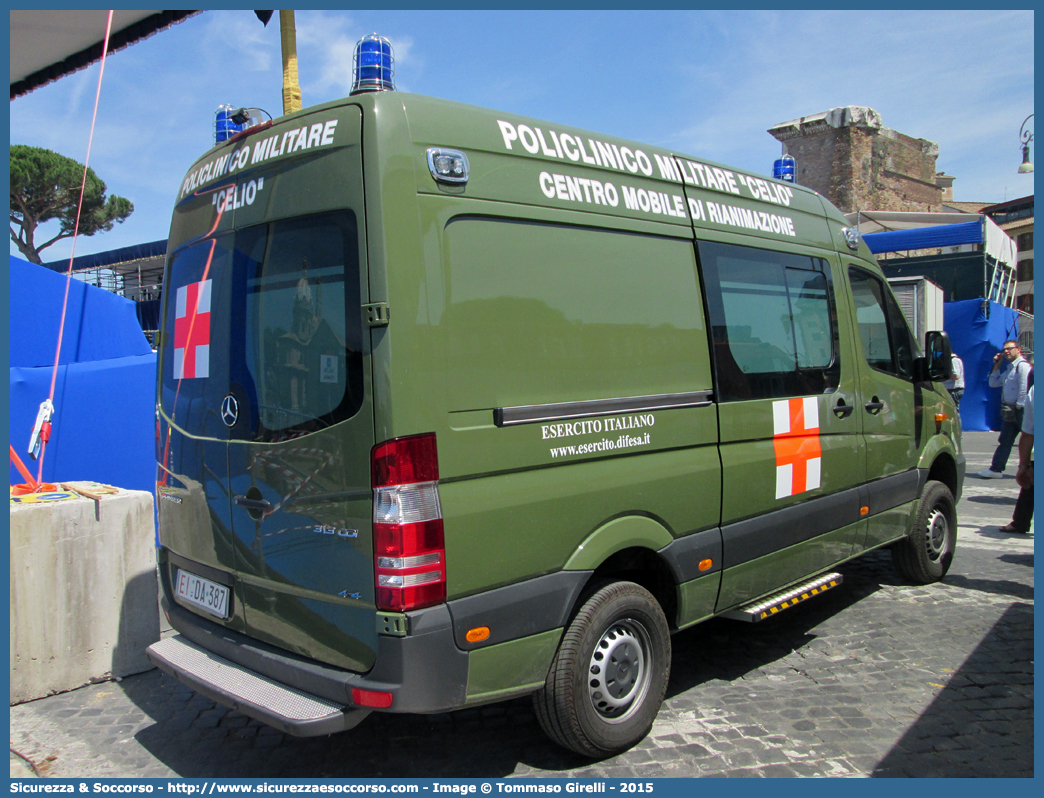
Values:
[(785, 599), (221, 680), (424, 671)]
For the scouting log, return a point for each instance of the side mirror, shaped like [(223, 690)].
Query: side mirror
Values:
[(936, 364)]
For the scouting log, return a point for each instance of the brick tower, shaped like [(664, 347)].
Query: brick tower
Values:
[(849, 156)]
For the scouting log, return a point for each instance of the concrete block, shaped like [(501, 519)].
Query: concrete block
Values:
[(84, 595)]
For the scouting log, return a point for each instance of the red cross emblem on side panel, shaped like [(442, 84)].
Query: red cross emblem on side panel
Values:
[(192, 331), (796, 440)]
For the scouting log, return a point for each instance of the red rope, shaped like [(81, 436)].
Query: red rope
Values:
[(192, 323), (76, 230)]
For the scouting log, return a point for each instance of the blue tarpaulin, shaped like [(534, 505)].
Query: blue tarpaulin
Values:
[(105, 395), (978, 330), (944, 235), (98, 325)]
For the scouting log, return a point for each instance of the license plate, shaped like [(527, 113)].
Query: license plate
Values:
[(203, 593)]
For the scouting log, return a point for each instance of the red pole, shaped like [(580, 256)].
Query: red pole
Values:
[(32, 483)]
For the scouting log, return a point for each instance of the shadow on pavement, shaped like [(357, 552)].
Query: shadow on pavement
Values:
[(1007, 501), (1018, 559), (981, 724), (196, 738), (727, 650), (999, 587)]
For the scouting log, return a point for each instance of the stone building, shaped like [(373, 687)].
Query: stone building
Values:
[(849, 156)]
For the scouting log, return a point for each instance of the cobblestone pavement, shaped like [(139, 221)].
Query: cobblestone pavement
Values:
[(875, 678)]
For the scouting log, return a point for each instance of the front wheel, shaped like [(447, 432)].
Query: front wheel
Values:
[(609, 676), (924, 556)]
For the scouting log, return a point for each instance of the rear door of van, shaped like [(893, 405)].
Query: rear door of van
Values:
[(271, 411)]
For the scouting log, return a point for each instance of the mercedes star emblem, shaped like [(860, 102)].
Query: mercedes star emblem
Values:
[(229, 410)]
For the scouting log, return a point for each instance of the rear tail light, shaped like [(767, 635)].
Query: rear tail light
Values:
[(408, 542)]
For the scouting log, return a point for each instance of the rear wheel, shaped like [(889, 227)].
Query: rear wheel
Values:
[(610, 674), (925, 555)]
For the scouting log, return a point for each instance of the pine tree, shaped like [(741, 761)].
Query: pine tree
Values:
[(46, 186)]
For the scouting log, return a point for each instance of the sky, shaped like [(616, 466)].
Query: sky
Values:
[(704, 83)]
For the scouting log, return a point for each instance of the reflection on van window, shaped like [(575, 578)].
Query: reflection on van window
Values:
[(196, 332), (541, 313), (303, 325), (887, 342), (773, 322)]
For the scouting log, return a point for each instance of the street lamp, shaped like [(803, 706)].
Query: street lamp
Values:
[(1026, 136)]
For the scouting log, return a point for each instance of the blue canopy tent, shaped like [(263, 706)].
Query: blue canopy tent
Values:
[(989, 272), (924, 237)]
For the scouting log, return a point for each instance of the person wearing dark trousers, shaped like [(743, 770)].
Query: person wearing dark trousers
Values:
[(955, 385), (1013, 382), (1023, 517)]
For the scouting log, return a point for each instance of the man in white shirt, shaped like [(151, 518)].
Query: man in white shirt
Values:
[(1013, 382), (955, 385), (1023, 517)]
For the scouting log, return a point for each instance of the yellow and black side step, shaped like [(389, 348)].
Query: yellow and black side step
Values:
[(785, 599)]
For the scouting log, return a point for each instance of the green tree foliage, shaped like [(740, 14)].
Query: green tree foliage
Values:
[(45, 186)]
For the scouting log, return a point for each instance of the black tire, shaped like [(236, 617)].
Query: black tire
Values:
[(924, 556), (610, 673)]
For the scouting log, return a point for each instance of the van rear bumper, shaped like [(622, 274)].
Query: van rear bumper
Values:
[(220, 680), (424, 671)]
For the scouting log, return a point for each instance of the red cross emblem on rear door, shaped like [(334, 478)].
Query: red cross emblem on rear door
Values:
[(192, 331), (796, 440)]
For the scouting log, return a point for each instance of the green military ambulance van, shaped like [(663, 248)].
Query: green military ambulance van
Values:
[(456, 406)]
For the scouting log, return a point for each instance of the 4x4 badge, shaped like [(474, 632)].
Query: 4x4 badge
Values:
[(229, 410)]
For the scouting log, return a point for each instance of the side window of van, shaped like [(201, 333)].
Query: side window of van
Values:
[(887, 342), (774, 322)]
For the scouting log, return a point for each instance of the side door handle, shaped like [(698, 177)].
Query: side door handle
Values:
[(842, 410), (251, 504), (874, 406)]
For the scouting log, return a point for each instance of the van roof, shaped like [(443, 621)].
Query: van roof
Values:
[(566, 167)]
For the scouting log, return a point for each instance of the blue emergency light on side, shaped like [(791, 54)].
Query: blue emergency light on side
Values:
[(224, 127), (373, 65), (785, 168)]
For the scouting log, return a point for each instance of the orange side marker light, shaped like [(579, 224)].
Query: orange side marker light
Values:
[(705, 564), (477, 635)]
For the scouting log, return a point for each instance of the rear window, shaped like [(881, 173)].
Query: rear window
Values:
[(281, 332)]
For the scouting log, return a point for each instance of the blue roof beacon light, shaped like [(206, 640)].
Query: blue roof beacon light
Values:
[(373, 65), (224, 127), (785, 169)]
